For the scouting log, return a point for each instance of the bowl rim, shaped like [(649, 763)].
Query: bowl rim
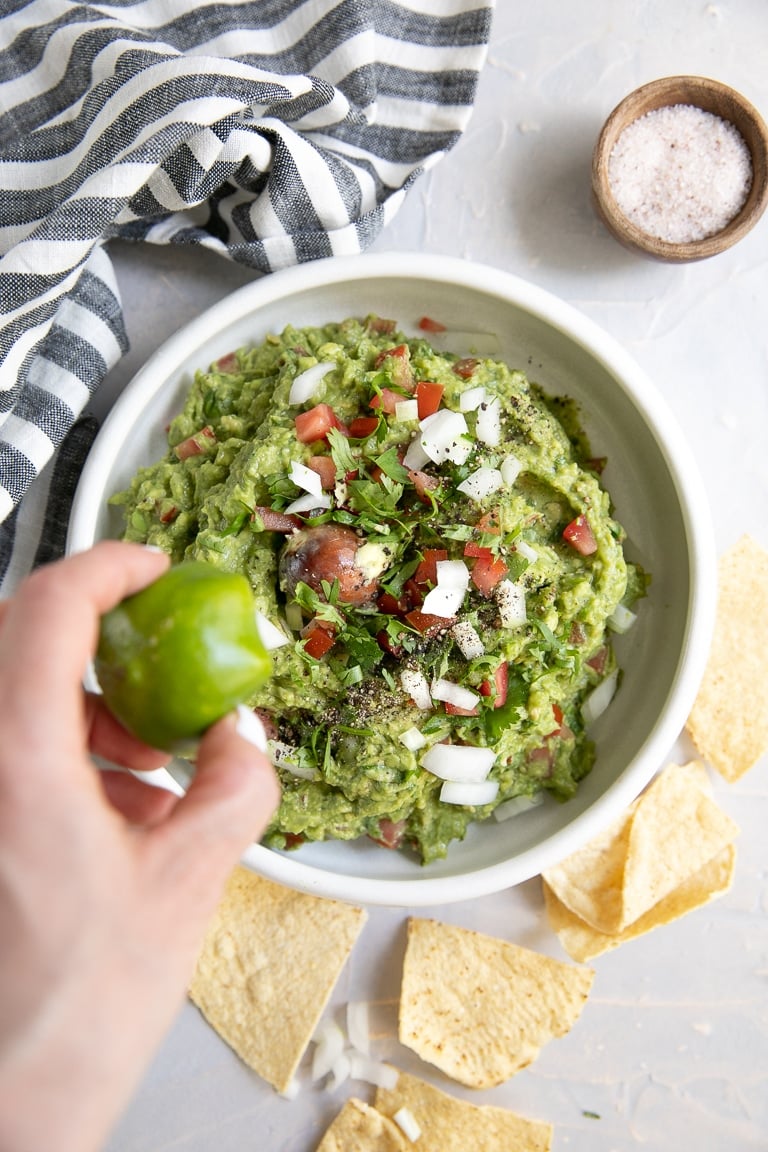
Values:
[(711, 96), (580, 329)]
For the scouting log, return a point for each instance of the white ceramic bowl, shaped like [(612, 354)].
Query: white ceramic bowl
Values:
[(650, 474)]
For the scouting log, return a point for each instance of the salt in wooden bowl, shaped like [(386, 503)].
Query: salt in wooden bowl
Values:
[(710, 96)]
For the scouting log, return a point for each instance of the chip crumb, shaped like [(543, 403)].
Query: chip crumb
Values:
[(263, 944), (480, 1008), (729, 719), (449, 1124)]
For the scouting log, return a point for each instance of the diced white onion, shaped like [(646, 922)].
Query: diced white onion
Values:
[(415, 457), (282, 756), (510, 469), (406, 410), (510, 599), (309, 503), (452, 574), (481, 483), (470, 795), (413, 739), (444, 602), (525, 550), (452, 693), (470, 644), (329, 1040), (406, 1122), (600, 697), (416, 685), (271, 636), (372, 1071), (340, 1071), (461, 450), (306, 478), (458, 762), (517, 805), (441, 434), (488, 427), (306, 382), (471, 399), (621, 619), (357, 1026)]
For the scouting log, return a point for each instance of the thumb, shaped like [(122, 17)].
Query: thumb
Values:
[(231, 799)]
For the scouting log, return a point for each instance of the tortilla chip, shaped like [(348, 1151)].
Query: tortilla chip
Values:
[(479, 1008), (360, 1128), (670, 832), (268, 965), (584, 943), (729, 720), (451, 1125)]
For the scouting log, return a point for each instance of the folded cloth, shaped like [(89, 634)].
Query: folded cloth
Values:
[(270, 131)]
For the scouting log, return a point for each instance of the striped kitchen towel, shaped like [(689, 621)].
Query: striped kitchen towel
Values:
[(270, 131)]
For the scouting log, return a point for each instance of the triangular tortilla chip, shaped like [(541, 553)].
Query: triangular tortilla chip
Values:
[(729, 719), (479, 1008), (667, 834), (584, 943), (268, 965), (360, 1128), (451, 1125)]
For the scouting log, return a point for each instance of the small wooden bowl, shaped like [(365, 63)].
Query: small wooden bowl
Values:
[(710, 96)]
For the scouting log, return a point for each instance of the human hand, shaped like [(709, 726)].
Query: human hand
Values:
[(106, 883)]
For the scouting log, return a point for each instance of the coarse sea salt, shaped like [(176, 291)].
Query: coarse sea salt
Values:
[(680, 173)]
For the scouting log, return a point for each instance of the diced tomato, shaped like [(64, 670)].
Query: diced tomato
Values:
[(426, 573), (428, 624), (465, 367), (427, 324), (487, 573), (325, 468), (596, 464), (423, 484), (390, 605), (428, 397), (500, 686), (580, 536), (399, 367), (166, 512), (599, 660), (477, 551), (391, 833), (276, 521), (558, 714), (317, 639), (376, 474), (363, 426), (414, 592), (196, 444), (227, 363), (578, 633), (316, 423), (543, 758), (382, 326), (455, 710), (386, 401), (384, 640), (293, 839)]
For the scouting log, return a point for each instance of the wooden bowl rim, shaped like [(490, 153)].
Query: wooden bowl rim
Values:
[(711, 96)]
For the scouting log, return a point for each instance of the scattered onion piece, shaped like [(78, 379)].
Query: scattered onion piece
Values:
[(416, 685), (358, 1029), (526, 551), (406, 410), (469, 795), (443, 437), (481, 483), (443, 602), (621, 619), (305, 384), (510, 469), (306, 478), (413, 739), (415, 457), (309, 503), (340, 1072), (292, 1089), (469, 642), (372, 1071), (329, 1045), (456, 694), (271, 636), (406, 1122), (282, 756), (459, 763), (510, 599), (471, 399), (600, 697), (452, 574), (488, 426)]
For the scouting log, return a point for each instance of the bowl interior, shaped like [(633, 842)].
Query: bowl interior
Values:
[(649, 475), (711, 96)]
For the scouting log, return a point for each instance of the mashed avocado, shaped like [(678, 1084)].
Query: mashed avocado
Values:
[(430, 536)]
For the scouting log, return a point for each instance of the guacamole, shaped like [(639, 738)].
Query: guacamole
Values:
[(433, 557)]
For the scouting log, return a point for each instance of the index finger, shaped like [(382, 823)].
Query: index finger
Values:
[(50, 627)]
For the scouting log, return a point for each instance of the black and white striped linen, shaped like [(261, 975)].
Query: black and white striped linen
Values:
[(269, 131)]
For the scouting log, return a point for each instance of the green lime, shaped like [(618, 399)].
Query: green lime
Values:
[(178, 655)]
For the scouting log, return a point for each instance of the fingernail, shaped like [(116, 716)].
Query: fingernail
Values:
[(250, 727), (155, 548)]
